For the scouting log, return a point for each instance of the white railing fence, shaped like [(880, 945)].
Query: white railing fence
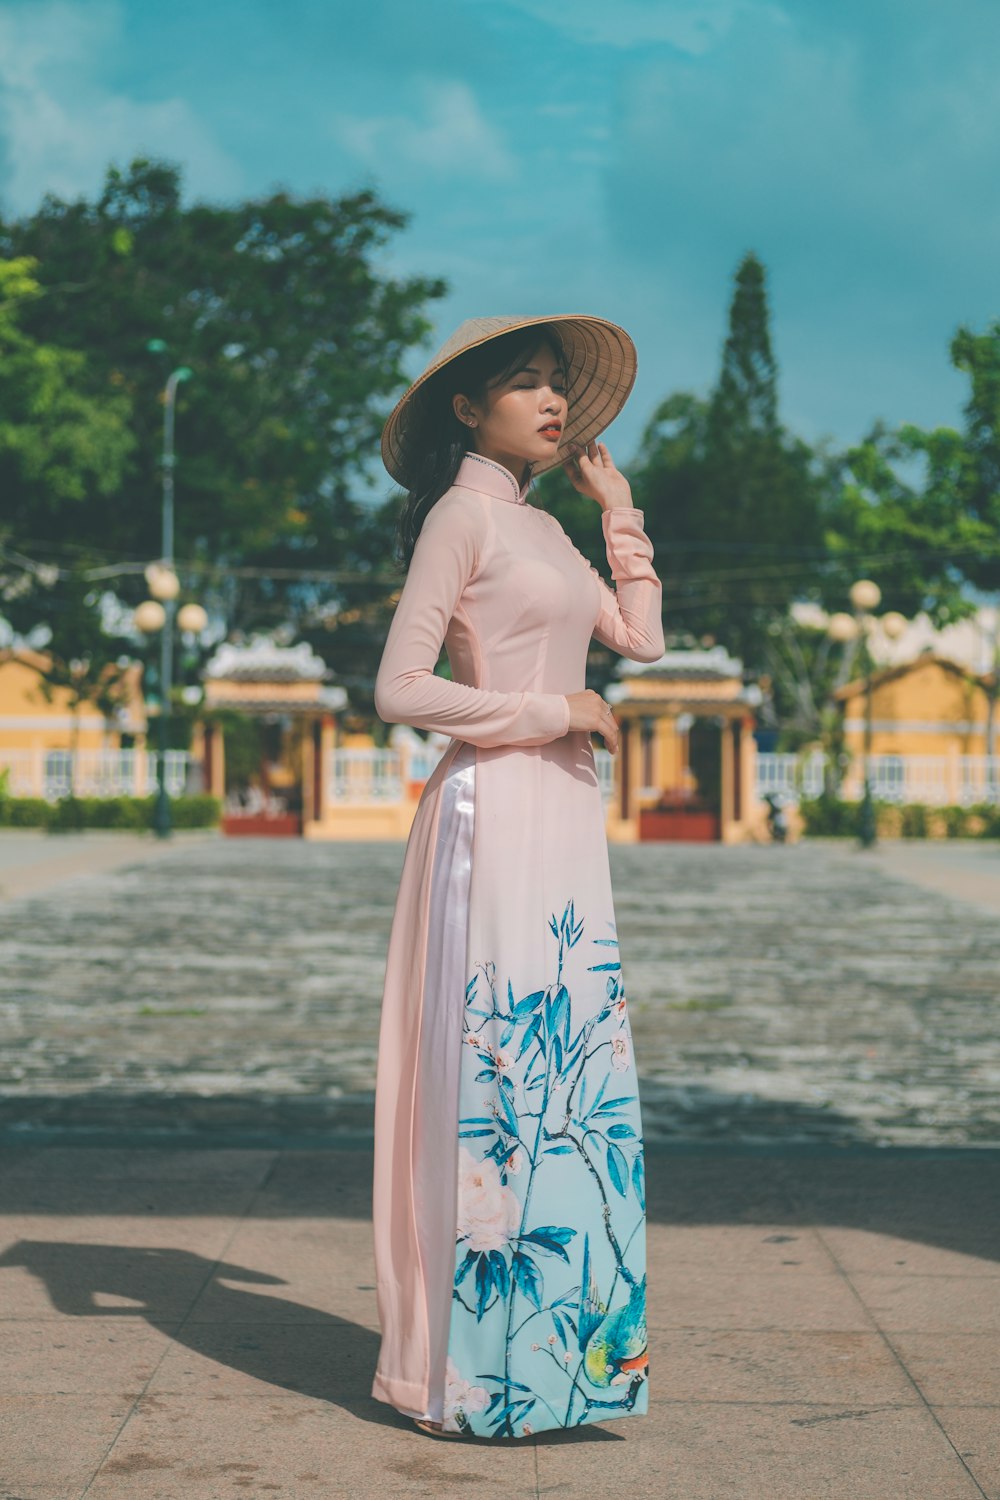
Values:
[(934, 780), (361, 776), (91, 773), (371, 776), (791, 776)]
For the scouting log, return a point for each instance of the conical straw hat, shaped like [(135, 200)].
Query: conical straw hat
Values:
[(601, 361)]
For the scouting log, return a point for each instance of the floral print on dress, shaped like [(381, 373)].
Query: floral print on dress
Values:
[(461, 1399), (488, 1212), (548, 1321)]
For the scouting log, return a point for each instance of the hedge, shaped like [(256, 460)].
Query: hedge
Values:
[(76, 813), (830, 816)]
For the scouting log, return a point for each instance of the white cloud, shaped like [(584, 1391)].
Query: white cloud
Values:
[(447, 134), (60, 126)]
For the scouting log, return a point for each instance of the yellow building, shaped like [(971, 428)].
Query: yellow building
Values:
[(37, 735), (928, 713)]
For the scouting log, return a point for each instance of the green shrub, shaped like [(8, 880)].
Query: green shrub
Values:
[(889, 821), (955, 821), (24, 812), (914, 824), (73, 814), (831, 817), (98, 812), (983, 820), (199, 811), (66, 815)]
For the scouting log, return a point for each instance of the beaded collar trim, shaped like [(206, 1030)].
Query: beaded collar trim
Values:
[(496, 479)]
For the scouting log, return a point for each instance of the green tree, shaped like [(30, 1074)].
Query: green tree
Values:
[(735, 505), (744, 404), (296, 336), (64, 443), (64, 436), (978, 487), (924, 505)]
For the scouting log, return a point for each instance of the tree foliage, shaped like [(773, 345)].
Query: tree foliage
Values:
[(64, 438), (735, 505), (64, 444), (295, 336)]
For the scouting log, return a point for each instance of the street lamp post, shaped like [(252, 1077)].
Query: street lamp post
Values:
[(167, 592), (865, 596)]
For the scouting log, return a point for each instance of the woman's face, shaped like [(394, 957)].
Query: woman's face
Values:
[(522, 418)]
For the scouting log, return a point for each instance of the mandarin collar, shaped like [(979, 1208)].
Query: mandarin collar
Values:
[(484, 474)]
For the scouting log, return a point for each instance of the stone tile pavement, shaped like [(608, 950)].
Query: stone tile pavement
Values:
[(199, 1324)]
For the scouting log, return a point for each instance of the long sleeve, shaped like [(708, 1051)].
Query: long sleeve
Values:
[(631, 615), (446, 557)]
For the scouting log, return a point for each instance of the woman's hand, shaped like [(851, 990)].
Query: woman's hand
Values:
[(588, 710), (592, 472)]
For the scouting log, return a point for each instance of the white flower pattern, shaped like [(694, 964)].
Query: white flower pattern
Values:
[(461, 1398), (488, 1213), (619, 1054)]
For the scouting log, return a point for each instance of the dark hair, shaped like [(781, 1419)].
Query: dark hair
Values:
[(447, 439)]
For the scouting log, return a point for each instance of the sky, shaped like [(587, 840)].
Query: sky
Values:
[(608, 158)]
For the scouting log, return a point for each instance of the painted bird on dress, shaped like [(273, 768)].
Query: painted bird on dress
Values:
[(615, 1345)]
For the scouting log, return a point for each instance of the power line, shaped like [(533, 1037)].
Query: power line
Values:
[(806, 568)]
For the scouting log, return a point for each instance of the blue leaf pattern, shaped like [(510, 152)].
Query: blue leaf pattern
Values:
[(548, 1325)]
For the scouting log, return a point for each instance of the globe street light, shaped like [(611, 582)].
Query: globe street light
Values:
[(842, 628), (192, 619), (865, 595), (150, 616), (163, 581)]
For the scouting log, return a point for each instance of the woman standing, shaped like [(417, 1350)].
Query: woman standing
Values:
[(509, 1205)]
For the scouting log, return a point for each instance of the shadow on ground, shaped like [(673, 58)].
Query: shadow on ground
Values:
[(695, 1113), (255, 1337)]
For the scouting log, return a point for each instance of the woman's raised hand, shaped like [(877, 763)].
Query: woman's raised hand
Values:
[(588, 710), (592, 472)]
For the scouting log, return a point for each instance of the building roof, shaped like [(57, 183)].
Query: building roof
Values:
[(889, 674), (326, 700), (706, 664), (261, 659), (704, 680), (902, 669)]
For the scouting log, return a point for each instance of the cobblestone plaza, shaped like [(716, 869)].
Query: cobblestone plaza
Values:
[(778, 994)]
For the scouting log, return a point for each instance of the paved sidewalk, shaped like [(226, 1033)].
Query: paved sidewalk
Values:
[(961, 868), (32, 860), (200, 1325)]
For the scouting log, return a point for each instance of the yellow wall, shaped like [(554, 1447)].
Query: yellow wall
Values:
[(29, 722), (929, 710)]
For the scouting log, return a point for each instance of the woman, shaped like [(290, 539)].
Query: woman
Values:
[(509, 1206)]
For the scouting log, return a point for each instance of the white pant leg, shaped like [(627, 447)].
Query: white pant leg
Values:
[(435, 1150)]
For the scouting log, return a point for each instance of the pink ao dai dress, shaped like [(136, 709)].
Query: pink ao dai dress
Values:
[(509, 1197)]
